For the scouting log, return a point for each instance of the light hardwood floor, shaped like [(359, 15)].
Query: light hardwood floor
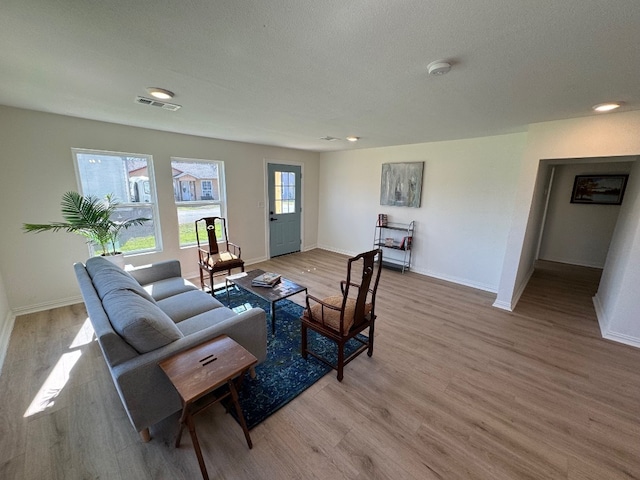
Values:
[(456, 389)]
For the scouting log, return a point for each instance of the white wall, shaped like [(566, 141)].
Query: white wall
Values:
[(575, 233), (6, 322), (467, 199), (617, 301), (37, 168), (614, 134)]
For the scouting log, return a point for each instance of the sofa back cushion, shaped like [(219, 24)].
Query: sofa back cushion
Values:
[(139, 321), (107, 277)]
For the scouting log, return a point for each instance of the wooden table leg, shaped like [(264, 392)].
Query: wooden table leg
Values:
[(273, 317), (183, 418), (196, 447), (234, 396)]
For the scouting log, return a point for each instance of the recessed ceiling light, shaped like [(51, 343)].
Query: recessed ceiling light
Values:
[(160, 93), (606, 107), (352, 138)]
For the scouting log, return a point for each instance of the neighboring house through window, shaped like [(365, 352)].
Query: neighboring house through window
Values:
[(198, 189), (129, 179)]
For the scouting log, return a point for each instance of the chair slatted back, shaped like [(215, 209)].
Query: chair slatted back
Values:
[(210, 227), (370, 273)]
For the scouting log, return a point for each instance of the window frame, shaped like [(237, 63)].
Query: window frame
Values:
[(222, 192), (153, 196)]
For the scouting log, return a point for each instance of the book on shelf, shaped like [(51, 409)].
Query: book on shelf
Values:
[(267, 279), (406, 243), (382, 219)]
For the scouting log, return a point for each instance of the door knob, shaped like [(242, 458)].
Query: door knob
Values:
[(273, 219)]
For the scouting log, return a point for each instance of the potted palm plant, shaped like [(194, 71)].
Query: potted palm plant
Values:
[(90, 217)]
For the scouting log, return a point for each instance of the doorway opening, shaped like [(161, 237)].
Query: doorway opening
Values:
[(573, 238), (284, 208)]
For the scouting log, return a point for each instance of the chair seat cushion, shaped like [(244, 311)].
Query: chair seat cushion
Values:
[(330, 317), (224, 260)]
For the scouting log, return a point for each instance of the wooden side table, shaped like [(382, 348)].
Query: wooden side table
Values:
[(198, 375)]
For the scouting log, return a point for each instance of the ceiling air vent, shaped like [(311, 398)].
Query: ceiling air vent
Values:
[(155, 103), (329, 138)]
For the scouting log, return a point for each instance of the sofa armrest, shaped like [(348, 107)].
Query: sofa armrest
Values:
[(155, 272), (146, 391)]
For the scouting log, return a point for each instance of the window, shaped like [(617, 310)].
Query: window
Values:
[(198, 189), (129, 179), (285, 192), (207, 190)]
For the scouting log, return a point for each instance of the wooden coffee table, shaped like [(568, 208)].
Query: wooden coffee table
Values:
[(285, 289), (200, 375)]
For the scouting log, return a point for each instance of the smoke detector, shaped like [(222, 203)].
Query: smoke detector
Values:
[(155, 103), (438, 67)]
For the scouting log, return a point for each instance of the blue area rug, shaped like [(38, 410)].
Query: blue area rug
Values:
[(284, 374)]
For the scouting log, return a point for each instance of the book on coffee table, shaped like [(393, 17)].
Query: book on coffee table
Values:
[(267, 279)]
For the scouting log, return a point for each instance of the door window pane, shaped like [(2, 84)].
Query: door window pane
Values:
[(285, 192)]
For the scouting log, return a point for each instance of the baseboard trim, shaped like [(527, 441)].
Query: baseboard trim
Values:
[(459, 281), (426, 273), (603, 322), (521, 288), (509, 306), (253, 261), (5, 336), (337, 250), (622, 338), (569, 261), (502, 305), (39, 307)]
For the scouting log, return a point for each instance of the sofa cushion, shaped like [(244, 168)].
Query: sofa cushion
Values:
[(97, 264), (169, 287), (107, 277), (106, 281), (205, 320), (188, 304), (141, 323)]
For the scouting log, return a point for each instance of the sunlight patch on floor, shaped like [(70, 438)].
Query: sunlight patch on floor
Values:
[(59, 376), (84, 336), (242, 308)]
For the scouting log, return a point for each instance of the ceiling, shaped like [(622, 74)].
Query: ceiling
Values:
[(288, 72)]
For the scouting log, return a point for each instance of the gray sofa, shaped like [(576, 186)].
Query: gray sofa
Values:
[(147, 314)]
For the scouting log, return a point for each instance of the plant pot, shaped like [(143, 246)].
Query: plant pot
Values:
[(116, 259)]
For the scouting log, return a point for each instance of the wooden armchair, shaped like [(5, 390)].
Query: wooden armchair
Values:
[(215, 252), (343, 317)]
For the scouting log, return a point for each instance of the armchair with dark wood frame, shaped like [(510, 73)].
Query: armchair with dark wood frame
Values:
[(342, 318), (215, 252)]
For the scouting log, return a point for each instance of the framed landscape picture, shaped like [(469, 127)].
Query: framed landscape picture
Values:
[(401, 184), (599, 189)]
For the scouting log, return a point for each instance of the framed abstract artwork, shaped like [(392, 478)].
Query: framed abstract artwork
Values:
[(599, 189), (401, 184)]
